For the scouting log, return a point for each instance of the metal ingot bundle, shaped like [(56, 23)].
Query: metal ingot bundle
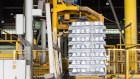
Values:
[(87, 55)]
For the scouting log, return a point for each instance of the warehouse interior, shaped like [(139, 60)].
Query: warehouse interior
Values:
[(69, 39)]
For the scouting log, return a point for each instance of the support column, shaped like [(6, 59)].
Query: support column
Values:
[(60, 55), (29, 30), (54, 22), (29, 19), (43, 41), (29, 34), (131, 29), (50, 42), (127, 65)]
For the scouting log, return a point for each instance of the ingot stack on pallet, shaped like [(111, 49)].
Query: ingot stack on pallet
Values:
[(87, 55)]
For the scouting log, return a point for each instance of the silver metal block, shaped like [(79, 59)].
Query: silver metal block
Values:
[(87, 54)]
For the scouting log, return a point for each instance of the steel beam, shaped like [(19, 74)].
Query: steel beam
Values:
[(50, 42)]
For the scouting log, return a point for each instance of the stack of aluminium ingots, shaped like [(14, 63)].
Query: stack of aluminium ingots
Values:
[(87, 55)]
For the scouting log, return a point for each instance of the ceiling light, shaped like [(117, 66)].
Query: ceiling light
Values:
[(2, 21), (107, 3), (12, 14)]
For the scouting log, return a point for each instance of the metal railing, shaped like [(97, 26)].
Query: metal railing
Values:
[(38, 69), (119, 61), (8, 37), (123, 62), (116, 58)]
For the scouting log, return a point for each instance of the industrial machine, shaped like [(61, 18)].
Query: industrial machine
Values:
[(58, 39)]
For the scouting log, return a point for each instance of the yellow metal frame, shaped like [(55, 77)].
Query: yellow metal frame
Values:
[(121, 61), (10, 40), (63, 9), (9, 54), (5, 39)]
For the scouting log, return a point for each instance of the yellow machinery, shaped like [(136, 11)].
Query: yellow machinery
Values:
[(123, 60), (123, 63)]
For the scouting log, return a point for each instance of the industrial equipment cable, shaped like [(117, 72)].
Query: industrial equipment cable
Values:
[(109, 20), (116, 19)]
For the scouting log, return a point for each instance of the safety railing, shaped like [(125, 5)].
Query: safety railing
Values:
[(39, 69), (116, 58), (8, 37), (123, 61), (122, 46)]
